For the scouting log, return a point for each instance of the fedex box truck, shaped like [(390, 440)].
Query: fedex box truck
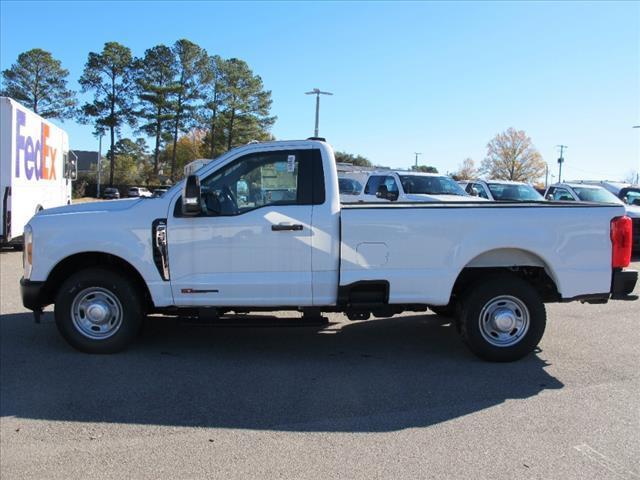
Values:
[(35, 168)]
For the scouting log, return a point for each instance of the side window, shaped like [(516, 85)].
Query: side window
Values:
[(562, 194), (390, 183), (253, 181), (482, 193), (372, 184)]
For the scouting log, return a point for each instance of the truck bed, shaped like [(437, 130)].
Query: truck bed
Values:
[(421, 248)]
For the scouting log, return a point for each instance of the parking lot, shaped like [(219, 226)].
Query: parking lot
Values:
[(390, 398)]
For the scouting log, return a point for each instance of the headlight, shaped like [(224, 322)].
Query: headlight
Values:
[(27, 251)]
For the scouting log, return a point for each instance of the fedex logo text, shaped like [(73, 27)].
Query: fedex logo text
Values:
[(36, 157)]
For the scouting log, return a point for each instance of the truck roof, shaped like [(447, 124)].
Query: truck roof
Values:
[(406, 172), (577, 184), (500, 182)]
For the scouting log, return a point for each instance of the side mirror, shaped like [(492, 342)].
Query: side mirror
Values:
[(549, 197), (191, 197), (383, 192), (70, 165), (474, 192)]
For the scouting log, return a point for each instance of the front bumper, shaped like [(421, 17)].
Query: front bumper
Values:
[(32, 294), (622, 283)]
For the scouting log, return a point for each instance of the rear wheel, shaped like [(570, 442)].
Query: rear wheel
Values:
[(98, 311), (502, 319)]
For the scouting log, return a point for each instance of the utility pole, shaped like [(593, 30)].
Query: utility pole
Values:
[(317, 93), (416, 154), (560, 161)]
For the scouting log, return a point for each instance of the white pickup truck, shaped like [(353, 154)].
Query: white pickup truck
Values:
[(262, 228)]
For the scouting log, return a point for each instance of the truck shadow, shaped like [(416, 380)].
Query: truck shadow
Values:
[(370, 376)]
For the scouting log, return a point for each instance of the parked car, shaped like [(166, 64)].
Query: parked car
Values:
[(138, 192), (408, 186), (201, 248), (504, 191), (588, 192), (158, 192), (627, 192), (110, 193)]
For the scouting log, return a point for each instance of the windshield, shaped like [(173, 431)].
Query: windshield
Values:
[(514, 192), (631, 195), (595, 195), (348, 186), (430, 185)]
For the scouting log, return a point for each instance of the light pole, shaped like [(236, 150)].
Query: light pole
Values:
[(546, 176), (99, 162), (317, 93), (637, 173)]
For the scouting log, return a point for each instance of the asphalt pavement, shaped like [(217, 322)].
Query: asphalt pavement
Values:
[(396, 398)]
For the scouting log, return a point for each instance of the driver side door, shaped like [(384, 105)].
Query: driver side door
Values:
[(251, 246)]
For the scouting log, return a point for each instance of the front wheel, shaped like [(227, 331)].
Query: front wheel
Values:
[(502, 319), (98, 311)]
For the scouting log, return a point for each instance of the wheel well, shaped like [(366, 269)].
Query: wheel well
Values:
[(82, 261), (534, 275)]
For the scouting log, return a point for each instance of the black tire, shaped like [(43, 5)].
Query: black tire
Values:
[(446, 311), (495, 293), (123, 291)]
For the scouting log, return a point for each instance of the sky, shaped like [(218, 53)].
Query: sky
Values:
[(437, 78)]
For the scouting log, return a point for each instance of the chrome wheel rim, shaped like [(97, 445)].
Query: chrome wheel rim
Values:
[(504, 321), (96, 313)]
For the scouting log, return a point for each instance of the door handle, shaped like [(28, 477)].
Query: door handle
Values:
[(281, 227)]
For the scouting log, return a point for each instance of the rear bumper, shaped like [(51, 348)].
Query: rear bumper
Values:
[(32, 294), (622, 283)]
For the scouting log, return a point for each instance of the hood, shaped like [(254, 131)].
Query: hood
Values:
[(91, 207), (633, 211), (423, 197)]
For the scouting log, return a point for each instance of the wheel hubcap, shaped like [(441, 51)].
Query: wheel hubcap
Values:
[(504, 321), (96, 313)]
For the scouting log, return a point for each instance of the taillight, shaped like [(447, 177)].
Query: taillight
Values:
[(620, 242)]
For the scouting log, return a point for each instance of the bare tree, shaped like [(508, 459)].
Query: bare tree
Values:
[(512, 156), (467, 170), (632, 176)]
